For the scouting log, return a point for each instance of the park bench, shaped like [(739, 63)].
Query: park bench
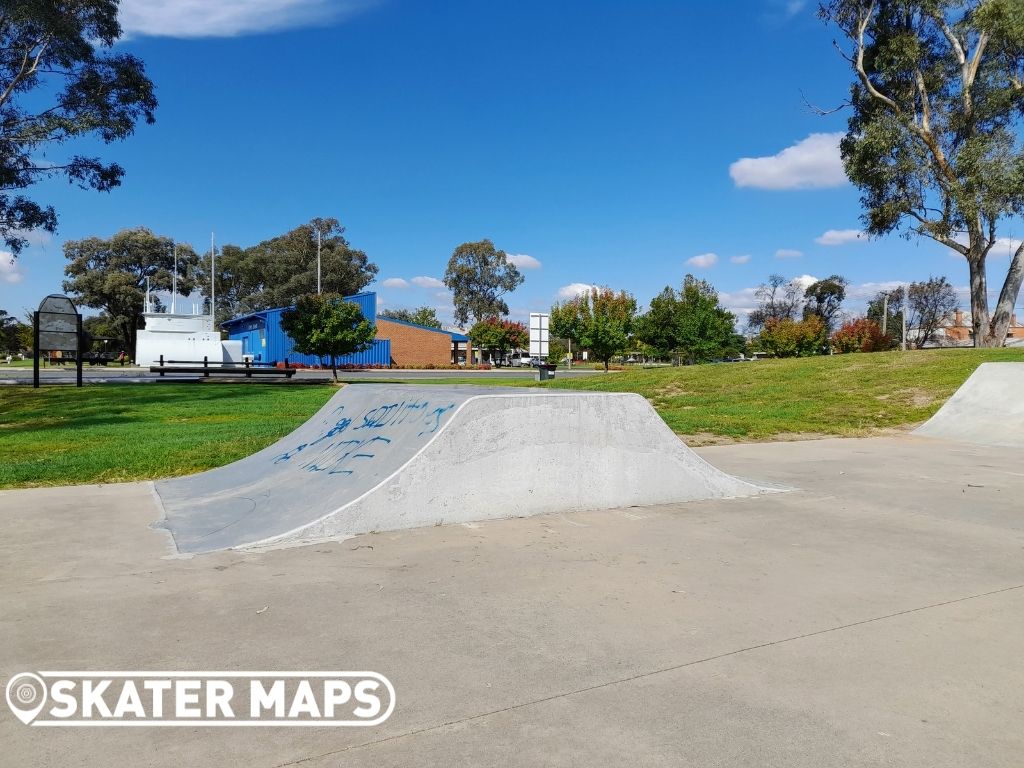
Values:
[(248, 368)]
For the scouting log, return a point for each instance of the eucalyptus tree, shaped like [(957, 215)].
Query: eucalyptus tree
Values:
[(60, 81), (933, 142)]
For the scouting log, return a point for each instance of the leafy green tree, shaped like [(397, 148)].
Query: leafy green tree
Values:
[(825, 298), (111, 274), (12, 333), (478, 275), (689, 323), (59, 82), (499, 336), (275, 272), (658, 326), (600, 321), (933, 141), (420, 316), (327, 326), (704, 330), (557, 352)]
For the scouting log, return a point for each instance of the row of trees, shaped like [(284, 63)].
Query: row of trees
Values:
[(790, 320), (689, 324), (111, 274)]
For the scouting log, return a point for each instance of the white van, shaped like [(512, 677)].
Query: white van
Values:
[(522, 359)]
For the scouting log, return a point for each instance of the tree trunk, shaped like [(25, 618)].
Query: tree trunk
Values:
[(979, 299), (1007, 298), (334, 368)]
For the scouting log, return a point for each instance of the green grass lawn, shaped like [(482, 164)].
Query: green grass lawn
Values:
[(60, 435), (842, 395), (109, 433)]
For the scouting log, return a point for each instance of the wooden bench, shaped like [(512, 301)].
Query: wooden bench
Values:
[(205, 367)]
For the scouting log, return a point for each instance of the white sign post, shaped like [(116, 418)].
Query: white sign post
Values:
[(539, 335)]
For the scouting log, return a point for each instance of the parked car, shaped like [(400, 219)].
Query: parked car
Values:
[(522, 359), (536, 362)]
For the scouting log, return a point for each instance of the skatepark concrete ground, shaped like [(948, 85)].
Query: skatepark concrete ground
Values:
[(872, 617)]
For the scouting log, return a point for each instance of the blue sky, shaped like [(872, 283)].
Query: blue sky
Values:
[(602, 142)]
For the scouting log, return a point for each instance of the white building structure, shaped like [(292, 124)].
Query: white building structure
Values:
[(184, 338)]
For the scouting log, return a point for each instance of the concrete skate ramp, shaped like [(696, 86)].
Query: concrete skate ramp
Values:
[(379, 458), (987, 409)]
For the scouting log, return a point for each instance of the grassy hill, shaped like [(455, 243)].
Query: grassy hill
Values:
[(63, 435), (842, 395)]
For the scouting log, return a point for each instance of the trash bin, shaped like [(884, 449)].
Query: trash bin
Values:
[(545, 372)]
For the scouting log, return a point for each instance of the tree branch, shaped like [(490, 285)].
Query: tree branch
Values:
[(862, 25), (933, 229)]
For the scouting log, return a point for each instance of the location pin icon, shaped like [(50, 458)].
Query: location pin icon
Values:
[(26, 695)]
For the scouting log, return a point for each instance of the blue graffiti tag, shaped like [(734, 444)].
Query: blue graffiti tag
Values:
[(332, 462), (336, 456), (392, 414), (437, 413), (340, 426)]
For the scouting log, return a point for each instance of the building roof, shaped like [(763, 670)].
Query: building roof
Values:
[(454, 336), (264, 312)]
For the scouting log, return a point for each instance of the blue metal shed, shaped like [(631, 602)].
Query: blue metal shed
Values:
[(263, 338)]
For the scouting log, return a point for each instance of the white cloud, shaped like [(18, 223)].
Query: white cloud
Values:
[(703, 261), (395, 282), (840, 237), (523, 261), (805, 280), (1005, 246), (868, 291), (744, 259), (740, 303), (811, 163), (572, 290), (427, 282), (788, 253), (229, 18), (9, 268), (793, 7)]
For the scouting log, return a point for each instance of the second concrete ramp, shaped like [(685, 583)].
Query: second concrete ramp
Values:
[(987, 409)]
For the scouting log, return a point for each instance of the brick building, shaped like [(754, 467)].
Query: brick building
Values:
[(958, 331), (421, 345)]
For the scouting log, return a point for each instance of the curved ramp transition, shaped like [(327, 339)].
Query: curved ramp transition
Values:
[(379, 458), (987, 409)]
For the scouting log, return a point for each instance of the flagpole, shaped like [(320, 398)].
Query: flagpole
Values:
[(213, 281), (174, 283)]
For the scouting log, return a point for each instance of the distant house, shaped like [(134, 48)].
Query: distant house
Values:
[(957, 330), (397, 342)]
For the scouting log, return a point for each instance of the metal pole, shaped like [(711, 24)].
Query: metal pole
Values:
[(885, 314), (174, 283), (78, 376), (35, 350), (906, 305), (318, 260), (213, 281)]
